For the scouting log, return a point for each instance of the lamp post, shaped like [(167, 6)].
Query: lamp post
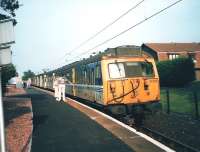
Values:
[(6, 39)]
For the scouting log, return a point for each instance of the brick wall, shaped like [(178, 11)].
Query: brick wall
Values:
[(197, 56), (162, 56), (197, 72), (197, 65)]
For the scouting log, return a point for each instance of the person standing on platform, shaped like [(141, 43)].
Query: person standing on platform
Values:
[(61, 89), (28, 83), (56, 90)]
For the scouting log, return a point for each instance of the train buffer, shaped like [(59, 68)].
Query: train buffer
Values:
[(73, 127)]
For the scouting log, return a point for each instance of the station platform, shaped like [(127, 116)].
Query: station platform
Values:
[(73, 127)]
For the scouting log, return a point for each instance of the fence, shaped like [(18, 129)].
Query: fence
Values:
[(181, 100)]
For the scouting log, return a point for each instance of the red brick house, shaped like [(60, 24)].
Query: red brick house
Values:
[(170, 51)]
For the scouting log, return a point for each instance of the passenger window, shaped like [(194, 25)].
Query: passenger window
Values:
[(98, 77), (92, 77), (116, 70)]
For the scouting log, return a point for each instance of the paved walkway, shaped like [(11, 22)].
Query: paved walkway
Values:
[(60, 128), (18, 119)]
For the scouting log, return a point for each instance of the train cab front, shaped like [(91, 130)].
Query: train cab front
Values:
[(130, 82)]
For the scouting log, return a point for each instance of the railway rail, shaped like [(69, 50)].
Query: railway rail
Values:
[(177, 145), (172, 143)]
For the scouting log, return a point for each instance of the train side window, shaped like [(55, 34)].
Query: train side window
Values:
[(88, 74), (98, 76), (92, 76), (85, 76), (69, 76)]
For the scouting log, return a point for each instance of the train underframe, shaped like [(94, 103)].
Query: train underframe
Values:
[(132, 114)]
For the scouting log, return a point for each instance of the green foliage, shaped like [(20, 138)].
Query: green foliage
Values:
[(8, 72), (28, 74), (10, 6), (176, 72), (181, 100)]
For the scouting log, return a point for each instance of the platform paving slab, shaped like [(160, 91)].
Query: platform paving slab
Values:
[(59, 127), (18, 120), (135, 140), (131, 138)]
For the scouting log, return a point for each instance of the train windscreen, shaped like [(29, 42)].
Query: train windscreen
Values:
[(130, 69), (116, 70)]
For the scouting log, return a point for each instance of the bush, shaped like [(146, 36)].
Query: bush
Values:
[(176, 72), (8, 72), (28, 74)]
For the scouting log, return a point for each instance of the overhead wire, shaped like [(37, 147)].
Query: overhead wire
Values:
[(126, 30), (104, 28), (110, 24)]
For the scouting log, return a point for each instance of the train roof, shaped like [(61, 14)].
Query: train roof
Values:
[(121, 51)]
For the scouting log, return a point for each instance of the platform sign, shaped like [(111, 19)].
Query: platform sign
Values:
[(5, 56), (6, 32)]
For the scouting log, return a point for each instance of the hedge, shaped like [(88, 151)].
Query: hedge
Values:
[(177, 72), (8, 72)]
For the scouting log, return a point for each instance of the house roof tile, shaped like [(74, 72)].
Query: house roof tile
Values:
[(174, 47)]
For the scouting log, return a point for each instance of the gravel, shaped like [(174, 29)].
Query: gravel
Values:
[(179, 127)]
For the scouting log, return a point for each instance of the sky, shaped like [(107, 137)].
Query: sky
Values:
[(48, 31)]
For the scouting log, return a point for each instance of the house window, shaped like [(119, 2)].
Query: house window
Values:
[(173, 56), (192, 56)]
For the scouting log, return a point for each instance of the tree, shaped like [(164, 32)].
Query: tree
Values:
[(10, 6), (28, 74), (8, 72)]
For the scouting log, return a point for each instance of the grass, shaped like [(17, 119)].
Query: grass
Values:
[(181, 99)]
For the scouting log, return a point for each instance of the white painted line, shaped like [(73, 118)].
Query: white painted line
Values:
[(167, 149), (157, 143)]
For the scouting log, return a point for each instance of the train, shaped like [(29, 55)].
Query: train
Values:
[(121, 79)]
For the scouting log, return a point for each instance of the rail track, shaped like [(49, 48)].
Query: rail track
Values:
[(172, 143)]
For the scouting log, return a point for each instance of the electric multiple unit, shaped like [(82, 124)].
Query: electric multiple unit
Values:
[(115, 79)]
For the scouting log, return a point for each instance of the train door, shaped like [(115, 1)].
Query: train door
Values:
[(41, 81), (98, 83), (45, 81), (74, 80)]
